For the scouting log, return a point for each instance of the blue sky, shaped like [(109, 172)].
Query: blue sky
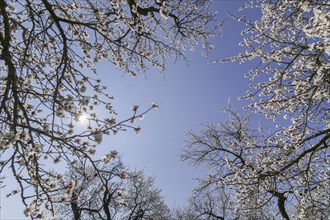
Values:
[(187, 95)]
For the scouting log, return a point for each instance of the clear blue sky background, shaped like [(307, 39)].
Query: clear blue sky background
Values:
[(187, 95)]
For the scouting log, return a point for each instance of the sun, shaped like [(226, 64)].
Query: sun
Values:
[(83, 117)]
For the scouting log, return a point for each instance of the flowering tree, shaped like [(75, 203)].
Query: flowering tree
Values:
[(112, 193), (241, 169), (229, 150), (288, 165), (48, 81), (208, 204), (142, 199)]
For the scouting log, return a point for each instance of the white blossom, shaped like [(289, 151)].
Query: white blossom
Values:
[(98, 137)]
